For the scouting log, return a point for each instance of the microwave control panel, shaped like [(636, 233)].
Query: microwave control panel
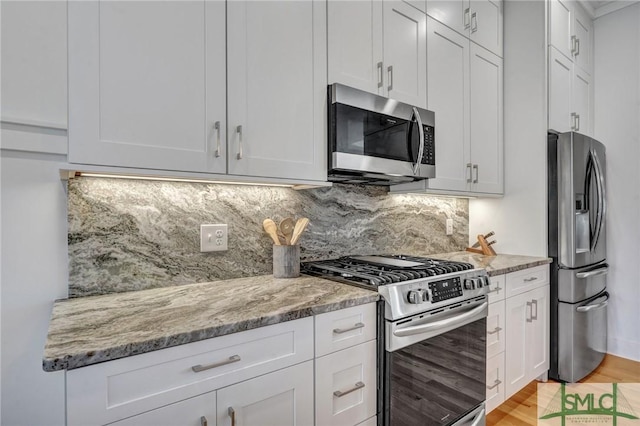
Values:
[(429, 156)]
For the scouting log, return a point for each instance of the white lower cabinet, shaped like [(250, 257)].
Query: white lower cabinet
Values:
[(495, 329), (495, 381)]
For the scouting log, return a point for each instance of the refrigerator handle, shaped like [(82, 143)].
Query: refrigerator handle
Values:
[(596, 272), (588, 307), (601, 198)]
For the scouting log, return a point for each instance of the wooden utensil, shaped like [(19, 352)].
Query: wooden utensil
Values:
[(301, 224), (286, 227), (271, 229)]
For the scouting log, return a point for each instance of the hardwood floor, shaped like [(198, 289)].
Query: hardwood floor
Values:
[(521, 408)]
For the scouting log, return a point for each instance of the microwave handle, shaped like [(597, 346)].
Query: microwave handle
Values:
[(418, 119)]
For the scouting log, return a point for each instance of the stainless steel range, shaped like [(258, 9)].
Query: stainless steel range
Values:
[(432, 335)]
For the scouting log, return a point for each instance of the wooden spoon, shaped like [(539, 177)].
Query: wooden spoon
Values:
[(271, 228), (286, 228), (301, 224)]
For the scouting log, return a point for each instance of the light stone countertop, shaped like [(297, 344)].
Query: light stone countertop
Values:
[(89, 330), (495, 265)]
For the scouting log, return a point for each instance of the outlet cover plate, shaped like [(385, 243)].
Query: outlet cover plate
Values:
[(213, 237)]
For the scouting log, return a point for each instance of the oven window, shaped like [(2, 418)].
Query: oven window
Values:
[(438, 380)]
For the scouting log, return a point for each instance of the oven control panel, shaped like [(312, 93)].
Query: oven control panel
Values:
[(445, 289)]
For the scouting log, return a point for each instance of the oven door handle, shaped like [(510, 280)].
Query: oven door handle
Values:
[(410, 331)]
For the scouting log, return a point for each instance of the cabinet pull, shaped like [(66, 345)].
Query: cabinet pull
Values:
[(577, 122), (232, 414), (198, 368), (390, 75), (470, 173), (577, 47), (203, 421), (529, 318), (379, 74), (573, 121), (573, 45), (534, 303), (344, 330), (528, 280), (495, 290), (239, 131), (474, 22), (466, 19), (495, 384), (495, 330), (475, 167), (216, 127), (340, 394)]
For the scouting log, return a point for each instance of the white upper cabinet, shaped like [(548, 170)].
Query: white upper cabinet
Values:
[(560, 18), (560, 70), (583, 31), (147, 84), (379, 47), (277, 88), (480, 20), (581, 99), (571, 32)]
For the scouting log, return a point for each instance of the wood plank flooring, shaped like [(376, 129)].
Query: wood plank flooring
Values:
[(521, 408)]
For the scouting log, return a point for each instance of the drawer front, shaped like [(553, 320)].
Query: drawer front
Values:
[(497, 288), (346, 386), (121, 388), (371, 421), (495, 329), (344, 328), (495, 381), (527, 279)]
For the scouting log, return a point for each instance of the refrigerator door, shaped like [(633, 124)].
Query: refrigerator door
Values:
[(576, 285), (580, 200), (582, 341)]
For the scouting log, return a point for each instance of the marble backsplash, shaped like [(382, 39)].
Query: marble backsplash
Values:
[(131, 235)]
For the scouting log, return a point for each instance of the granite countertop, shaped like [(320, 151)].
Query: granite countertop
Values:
[(89, 330), (495, 265)]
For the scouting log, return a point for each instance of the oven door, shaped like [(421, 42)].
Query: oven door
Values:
[(435, 368)]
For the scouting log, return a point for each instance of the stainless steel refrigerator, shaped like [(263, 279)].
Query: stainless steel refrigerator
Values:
[(577, 244)]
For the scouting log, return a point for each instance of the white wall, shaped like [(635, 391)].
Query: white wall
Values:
[(34, 274), (519, 218), (617, 125)]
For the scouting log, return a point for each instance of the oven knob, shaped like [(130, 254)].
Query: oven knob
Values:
[(479, 282), (414, 297), (486, 280), (469, 284)]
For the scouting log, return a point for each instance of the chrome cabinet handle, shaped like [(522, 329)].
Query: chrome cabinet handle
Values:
[(534, 304), (232, 414), (573, 121), (577, 122), (601, 271), (216, 127), (577, 47), (203, 421), (495, 384), (466, 19), (239, 131), (495, 330), (340, 394), (474, 22), (495, 290), (529, 318), (198, 368), (379, 74), (470, 173), (528, 280), (573, 45), (390, 75), (475, 167), (344, 330)]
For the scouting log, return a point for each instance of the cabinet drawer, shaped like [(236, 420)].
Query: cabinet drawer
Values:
[(497, 288), (347, 327), (372, 421), (495, 381), (113, 390), (196, 411), (527, 279), (346, 386), (496, 332)]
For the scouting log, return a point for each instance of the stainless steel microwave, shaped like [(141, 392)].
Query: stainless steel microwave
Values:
[(377, 140)]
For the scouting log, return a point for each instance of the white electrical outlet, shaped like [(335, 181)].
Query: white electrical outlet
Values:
[(449, 226), (213, 237)]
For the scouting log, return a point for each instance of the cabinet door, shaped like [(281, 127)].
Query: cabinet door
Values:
[(196, 411), (486, 121), (559, 91), (448, 88), (352, 373), (146, 84), (583, 31), (486, 24), (560, 17), (281, 398), (277, 88), (495, 381), (517, 318), (354, 40), (455, 14), (405, 53), (538, 333), (496, 333), (581, 85)]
